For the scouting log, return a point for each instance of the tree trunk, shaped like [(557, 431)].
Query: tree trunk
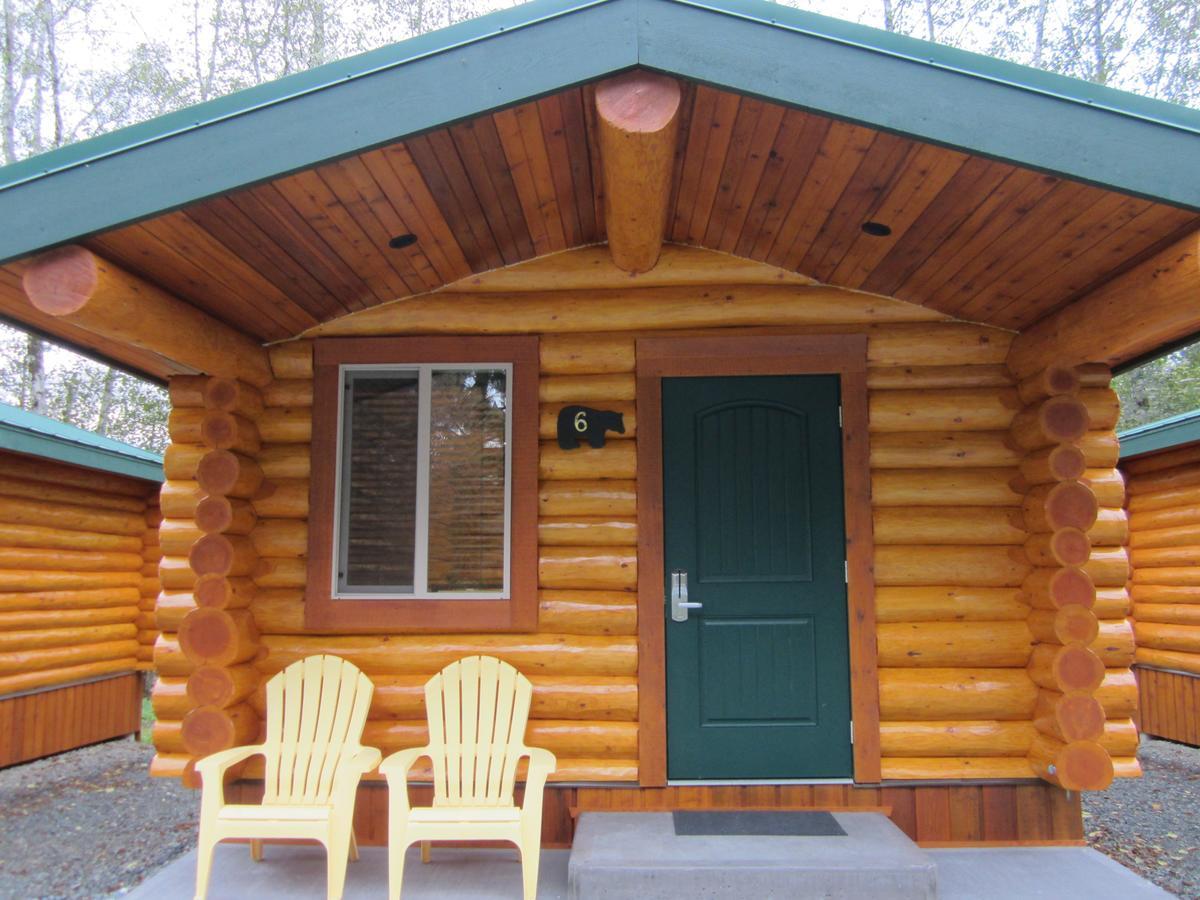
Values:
[(35, 369)]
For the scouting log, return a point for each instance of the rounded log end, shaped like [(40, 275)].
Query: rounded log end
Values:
[(1076, 668), (219, 430), (221, 393), (211, 555), (1064, 418), (1083, 766), (214, 514), (217, 471), (1072, 587), (1076, 624), (1080, 717), (207, 635), (62, 281), (1069, 546), (1061, 380), (639, 101), (208, 729), (213, 591), (1067, 462), (1071, 504), (210, 686)]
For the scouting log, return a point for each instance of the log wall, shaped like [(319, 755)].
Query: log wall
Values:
[(956, 632), (1164, 521)]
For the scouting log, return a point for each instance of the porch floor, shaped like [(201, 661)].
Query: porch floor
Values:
[(298, 872)]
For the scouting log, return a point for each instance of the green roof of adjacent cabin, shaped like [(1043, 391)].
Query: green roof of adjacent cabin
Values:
[(1162, 435), (34, 435), (926, 91)]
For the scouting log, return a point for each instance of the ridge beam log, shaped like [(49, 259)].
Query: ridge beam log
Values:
[(84, 289), (638, 114), (1151, 304)]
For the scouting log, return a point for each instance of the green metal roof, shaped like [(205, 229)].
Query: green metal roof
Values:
[(34, 435), (1162, 435), (926, 91)]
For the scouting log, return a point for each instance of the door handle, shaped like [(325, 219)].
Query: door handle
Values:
[(679, 597)]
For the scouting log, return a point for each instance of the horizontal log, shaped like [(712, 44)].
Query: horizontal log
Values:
[(962, 409), (1115, 642), (15, 535), (288, 392), (180, 461), (281, 573), (1049, 382), (586, 388), (1181, 458), (22, 486), (587, 568), (42, 580), (1187, 498), (1061, 462), (945, 644), (17, 661), (1168, 613), (218, 637), (587, 498), (1077, 766), (649, 309), (221, 686), (286, 498), (1065, 668), (69, 560), (1103, 407), (1055, 420), (231, 395), (176, 536), (169, 659), (1153, 593), (1118, 693), (942, 450), (68, 599), (292, 359), (179, 498), (280, 538), (46, 514), (222, 515), (1179, 576), (1169, 659), (957, 768), (587, 531), (954, 694), (937, 344), (988, 738), (169, 699), (943, 487), (1167, 480), (1111, 528), (1073, 624), (1108, 485), (1171, 555), (1101, 449), (68, 674), (285, 425), (31, 468), (1168, 636), (615, 460), (174, 765), (285, 461), (587, 612), (1154, 538), (1120, 738), (208, 729), (969, 566), (171, 609), (948, 525), (428, 654), (1108, 566), (1112, 603), (934, 377), (87, 618), (567, 738), (948, 604), (70, 636), (548, 419), (1070, 717), (1065, 547), (1068, 504), (569, 354)]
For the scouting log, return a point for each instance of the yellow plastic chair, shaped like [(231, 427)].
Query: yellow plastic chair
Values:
[(477, 709), (316, 710)]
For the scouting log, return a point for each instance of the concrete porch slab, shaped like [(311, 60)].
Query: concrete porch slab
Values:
[(630, 856)]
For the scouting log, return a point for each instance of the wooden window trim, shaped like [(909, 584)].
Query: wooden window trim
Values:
[(841, 355), (518, 612)]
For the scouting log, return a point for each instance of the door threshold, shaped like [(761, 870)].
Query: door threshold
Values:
[(709, 782)]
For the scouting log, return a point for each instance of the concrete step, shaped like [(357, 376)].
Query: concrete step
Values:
[(638, 855)]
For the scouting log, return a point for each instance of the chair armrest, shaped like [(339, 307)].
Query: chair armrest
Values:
[(212, 770), (541, 763), (354, 766), (395, 770)]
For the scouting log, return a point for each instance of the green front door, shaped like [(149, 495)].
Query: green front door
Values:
[(758, 677)]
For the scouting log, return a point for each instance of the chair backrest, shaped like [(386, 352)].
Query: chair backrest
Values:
[(316, 710), (477, 709)]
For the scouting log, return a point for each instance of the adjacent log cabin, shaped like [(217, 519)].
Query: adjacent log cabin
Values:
[(1161, 463), (78, 585), (859, 347)]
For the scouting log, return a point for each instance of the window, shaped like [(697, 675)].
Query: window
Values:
[(424, 485)]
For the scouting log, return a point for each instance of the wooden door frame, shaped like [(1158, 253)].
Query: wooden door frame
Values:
[(841, 355)]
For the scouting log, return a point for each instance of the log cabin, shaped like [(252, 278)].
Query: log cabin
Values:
[(1161, 465), (860, 540), (78, 585)]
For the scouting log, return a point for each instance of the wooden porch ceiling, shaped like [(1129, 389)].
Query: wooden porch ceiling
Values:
[(974, 238)]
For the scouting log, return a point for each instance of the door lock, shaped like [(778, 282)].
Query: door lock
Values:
[(679, 597)]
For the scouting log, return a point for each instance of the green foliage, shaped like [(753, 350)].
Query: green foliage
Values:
[(1160, 389)]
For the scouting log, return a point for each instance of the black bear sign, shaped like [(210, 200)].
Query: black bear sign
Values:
[(576, 423)]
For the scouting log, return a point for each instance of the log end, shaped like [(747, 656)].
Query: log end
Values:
[(210, 686), (1076, 668), (207, 730), (212, 554), (219, 430), (1069, 546), (1067, 462), (62, 281), (221, 393), (217, 472), (208, 635), (1080, 717), (1075, 624), (638, 102), (1061, 380), (214, 514), (1071, 504), (1083, 766), (1064, 418)]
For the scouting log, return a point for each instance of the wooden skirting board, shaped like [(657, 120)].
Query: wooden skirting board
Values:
[(933, 815), (1169, 704), (44, 722)]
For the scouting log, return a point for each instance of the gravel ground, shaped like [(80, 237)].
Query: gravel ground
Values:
[(1152, 824), (90, 823)]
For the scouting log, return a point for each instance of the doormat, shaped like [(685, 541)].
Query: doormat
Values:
[(766, 822)]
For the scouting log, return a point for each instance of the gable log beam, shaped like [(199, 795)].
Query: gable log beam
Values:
[(86, 290), (638, 114), (1152, 304)]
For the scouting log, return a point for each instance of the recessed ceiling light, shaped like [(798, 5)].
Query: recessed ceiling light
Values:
[(400, 241), (876, 229)]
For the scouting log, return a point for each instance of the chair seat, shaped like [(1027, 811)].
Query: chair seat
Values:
[(440, 814), (244, 812)]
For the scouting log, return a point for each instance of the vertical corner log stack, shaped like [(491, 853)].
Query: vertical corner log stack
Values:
[(1066, 476)]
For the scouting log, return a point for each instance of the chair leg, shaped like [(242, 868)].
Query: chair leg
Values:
[(256, 850), (204, 856), (531, 855), (397, 848), (353, 846), (338, 855), (425, 847)]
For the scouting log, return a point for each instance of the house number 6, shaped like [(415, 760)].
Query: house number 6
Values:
[(581, 422)]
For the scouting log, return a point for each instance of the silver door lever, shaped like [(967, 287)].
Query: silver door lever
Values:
[(679, 597)]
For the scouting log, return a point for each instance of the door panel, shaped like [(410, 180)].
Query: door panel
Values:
[(758, 678)]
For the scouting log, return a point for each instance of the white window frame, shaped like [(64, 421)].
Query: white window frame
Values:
[(420, 587)]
